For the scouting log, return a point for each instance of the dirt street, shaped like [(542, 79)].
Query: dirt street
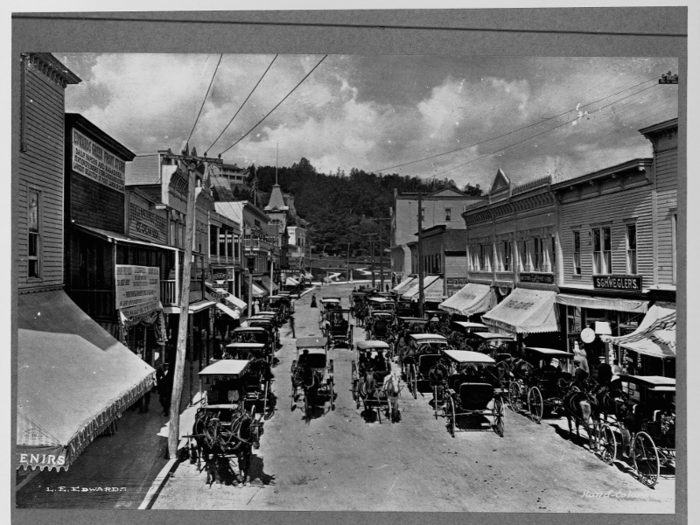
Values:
[(337, 461)]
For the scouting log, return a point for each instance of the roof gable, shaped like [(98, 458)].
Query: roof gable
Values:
[(501, 187)]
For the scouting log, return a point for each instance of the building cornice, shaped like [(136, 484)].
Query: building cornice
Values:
[(52, 68)]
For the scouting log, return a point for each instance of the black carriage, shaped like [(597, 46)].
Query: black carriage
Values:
[(281, 305), (228, 422), (538, 376), (256, 334), (470, 387), (328, 305), (370, 368), (337, 328), (378, 326), (264, 321), (422, 354), (312, 374), (378, 303), (494, 344), (467, 333), (648, 417)]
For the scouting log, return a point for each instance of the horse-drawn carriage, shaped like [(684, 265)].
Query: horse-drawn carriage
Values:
[(468, 386), (264, 321), (378, 303), (312, 374), (256, 334), (373, 384), (494, 344), (258, 377), (645, 421), (537, 378), (328, 305), (226, 423), (337, 328), (466, 333), (421, 355), (282, 305), (378, 326)]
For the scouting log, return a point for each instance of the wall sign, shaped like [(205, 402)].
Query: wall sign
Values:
[(455, 284), (630, 283), (144, 223), (546, 278), (94, 162), (137, 289)]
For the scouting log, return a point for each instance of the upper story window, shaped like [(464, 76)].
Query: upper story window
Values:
[(602, 251), (632, 249), (553, 254), (577, 252), (505, 256), (523, 264), (537, 256), (448, 214), (34, 240)]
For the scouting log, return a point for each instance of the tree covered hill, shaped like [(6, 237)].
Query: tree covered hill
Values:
[(341, 209)]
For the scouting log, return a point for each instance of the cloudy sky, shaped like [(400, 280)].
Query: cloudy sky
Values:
[(530, 117)]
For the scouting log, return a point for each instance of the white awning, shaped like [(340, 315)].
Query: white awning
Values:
[(403, 285), (291, 282), (602, 303), (428, 281), (226, 310), (216, 294), (193, 309), (655, 336), (472, 299), (258, 292), (525, 311)]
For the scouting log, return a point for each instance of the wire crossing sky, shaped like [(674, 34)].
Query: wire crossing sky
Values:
[(460, 117)]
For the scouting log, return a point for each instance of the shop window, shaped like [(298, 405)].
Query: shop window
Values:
[(602, 251), (222, 242), (212, 240), (34, 240), (448, 214), (631, 249), (577, 252)]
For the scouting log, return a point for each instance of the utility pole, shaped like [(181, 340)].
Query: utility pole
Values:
[(381, 255), (421, 295), (348, 265), (191, 162)]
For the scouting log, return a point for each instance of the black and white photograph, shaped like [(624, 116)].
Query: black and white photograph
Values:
[(298, 278)]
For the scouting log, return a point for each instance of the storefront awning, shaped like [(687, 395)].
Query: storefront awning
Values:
[(258, 291), (193, 309), (474, 298), (525, 311), (226, 310), (267, 282), (655, 336), (602, 303), (434, 292), (428, 280), (403, 285), (291, 282), (73, 379), (216, 294)]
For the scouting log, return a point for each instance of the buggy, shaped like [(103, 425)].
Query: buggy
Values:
[(256, 334), (371, 384), (470, 387), (312, 374), (423, 352), (379, 326), (337, 328)]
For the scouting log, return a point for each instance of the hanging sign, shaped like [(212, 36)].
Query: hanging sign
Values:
[(137, 288)]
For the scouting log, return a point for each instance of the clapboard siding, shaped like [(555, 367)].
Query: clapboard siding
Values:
[(611, 210), (666, 204), (41, 169), (96, 205), (455, 266)]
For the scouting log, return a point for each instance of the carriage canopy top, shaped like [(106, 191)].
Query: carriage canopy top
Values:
[(255, 346), (549, 352), (466, 356), (226, 367), (249, 329), (372, 345), (472, 326), (653, 382), (311, 342), (330, 300), (489, 336), (428, 338)]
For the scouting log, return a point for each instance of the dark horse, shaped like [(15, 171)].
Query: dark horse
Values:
[(215, 440), (309, 380)]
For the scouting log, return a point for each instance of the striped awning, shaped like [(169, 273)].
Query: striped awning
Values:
[(525, 311), (472, 299), (655, 336)]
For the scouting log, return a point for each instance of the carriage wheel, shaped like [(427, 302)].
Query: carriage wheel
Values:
[(414, 376), (646, 459), (499, 415), (332, 396), (435, 400), (450, 412), (607, 444), (515, 396), (535, 405)]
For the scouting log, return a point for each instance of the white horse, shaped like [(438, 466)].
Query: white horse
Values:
[(392, 389)]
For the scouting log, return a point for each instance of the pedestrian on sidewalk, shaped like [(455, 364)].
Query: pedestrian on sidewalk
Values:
[(291, 325), (313, 301), (236, 318), (164, 378)]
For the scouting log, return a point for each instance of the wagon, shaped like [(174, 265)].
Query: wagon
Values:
[(370, 368), (312, 374), (537, 382), (258, 377), (379, 326), (337, 328), (470, 388), (424, 351), (648, 415), (256, 334)]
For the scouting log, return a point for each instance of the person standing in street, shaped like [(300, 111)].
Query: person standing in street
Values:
[(313, 301), (291, 325), (236, 318), (165, 386), (256, 307)]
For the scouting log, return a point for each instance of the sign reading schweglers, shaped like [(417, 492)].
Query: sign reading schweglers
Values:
[(137, 289), (94, 162)]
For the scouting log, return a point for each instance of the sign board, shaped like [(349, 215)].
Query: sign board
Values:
[(630, 283), (144, 224), (545, 278), (455, 284), (94, 162), (137, 288)]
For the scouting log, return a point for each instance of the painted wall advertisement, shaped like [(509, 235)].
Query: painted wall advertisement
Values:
[(455, 284), (145, 224), (137, 289), (95, 163)]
